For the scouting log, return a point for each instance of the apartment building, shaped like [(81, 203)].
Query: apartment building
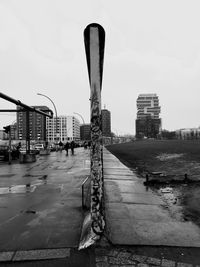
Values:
[(148, 123), (36, 126), (63, 128)]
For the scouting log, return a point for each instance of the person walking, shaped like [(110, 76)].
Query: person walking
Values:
[(72, 146), (66, 147), (60, 146)]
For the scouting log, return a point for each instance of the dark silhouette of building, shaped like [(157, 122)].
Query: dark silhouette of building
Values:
[(37, 124), (85, 132), (148, 123), (106, 122)]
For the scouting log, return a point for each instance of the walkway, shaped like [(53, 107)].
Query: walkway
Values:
[(140, 227)]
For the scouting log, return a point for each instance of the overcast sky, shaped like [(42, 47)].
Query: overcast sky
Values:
[(151, 46)]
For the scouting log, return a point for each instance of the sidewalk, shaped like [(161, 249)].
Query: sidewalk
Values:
[(139, 226), (41, 211)]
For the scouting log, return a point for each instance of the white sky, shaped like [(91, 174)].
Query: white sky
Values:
[(151, 46)]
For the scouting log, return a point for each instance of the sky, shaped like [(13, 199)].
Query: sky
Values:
[(151, 46)]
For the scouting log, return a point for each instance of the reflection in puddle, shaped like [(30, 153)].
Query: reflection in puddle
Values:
[(182, 201), (28, 188), (169, 195)]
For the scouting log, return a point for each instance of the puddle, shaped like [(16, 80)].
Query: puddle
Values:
[(169, 194), (29, 211), (182, 201), (17, 189), (166, 190), (6, 175)]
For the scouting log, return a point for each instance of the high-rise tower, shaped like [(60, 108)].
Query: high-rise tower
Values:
[(106, 122), (148, 123)]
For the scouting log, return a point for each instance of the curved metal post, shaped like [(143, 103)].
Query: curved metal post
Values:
[(80, 116), (94, 36), (55, 112)]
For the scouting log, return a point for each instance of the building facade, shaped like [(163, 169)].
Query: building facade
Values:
[(37, 124), (106, 122), (2, 135), (85, 133), (188, 133), (67, 129), (148, 123)]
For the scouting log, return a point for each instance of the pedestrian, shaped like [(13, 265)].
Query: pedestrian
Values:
[(89, 144), (72, 145), (18, 149), (85, 145), (60, 146), (66, 147)]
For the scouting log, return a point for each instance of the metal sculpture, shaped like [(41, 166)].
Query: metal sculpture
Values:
[(94, 37)]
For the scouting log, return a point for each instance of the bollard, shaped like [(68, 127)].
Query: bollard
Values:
[(186, 177), (147, 178)]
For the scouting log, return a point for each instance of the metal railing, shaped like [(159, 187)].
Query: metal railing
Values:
[(86, 187)]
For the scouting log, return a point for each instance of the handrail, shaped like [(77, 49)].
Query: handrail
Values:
[(82, 187)]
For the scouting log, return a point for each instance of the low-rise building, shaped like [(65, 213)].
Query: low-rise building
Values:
[(188, 133)]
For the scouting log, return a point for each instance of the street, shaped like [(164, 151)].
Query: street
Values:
[(40, 202)]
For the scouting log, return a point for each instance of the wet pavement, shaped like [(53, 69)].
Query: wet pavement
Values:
[(41, 202), (41, 217), (183, 200)]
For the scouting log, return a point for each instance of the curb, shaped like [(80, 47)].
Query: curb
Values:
[(33, 255)]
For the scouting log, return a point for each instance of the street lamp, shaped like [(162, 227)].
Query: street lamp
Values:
[(80, 116), (55, 112)]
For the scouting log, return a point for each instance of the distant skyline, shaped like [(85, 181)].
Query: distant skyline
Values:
[(150, 47)]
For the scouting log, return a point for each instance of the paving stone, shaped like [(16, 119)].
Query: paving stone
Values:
[(113, 260), (101, 252), (167, 263), (6, 256), (101, 258), (126, 262), (181, 264), (113, 253), (103, 264), (124, 255), (154, 261), (139, 258), (41, 254)]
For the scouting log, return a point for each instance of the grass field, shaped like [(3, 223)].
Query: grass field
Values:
[(171, 157)]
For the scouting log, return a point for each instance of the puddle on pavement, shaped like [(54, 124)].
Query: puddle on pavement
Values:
[(16, 189), (169, 195), (6, 175), (182, 201)]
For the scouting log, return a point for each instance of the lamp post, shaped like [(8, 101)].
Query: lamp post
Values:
[(80, 116), (55, 114)]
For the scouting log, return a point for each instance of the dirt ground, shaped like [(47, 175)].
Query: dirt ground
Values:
[(171, 157)]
